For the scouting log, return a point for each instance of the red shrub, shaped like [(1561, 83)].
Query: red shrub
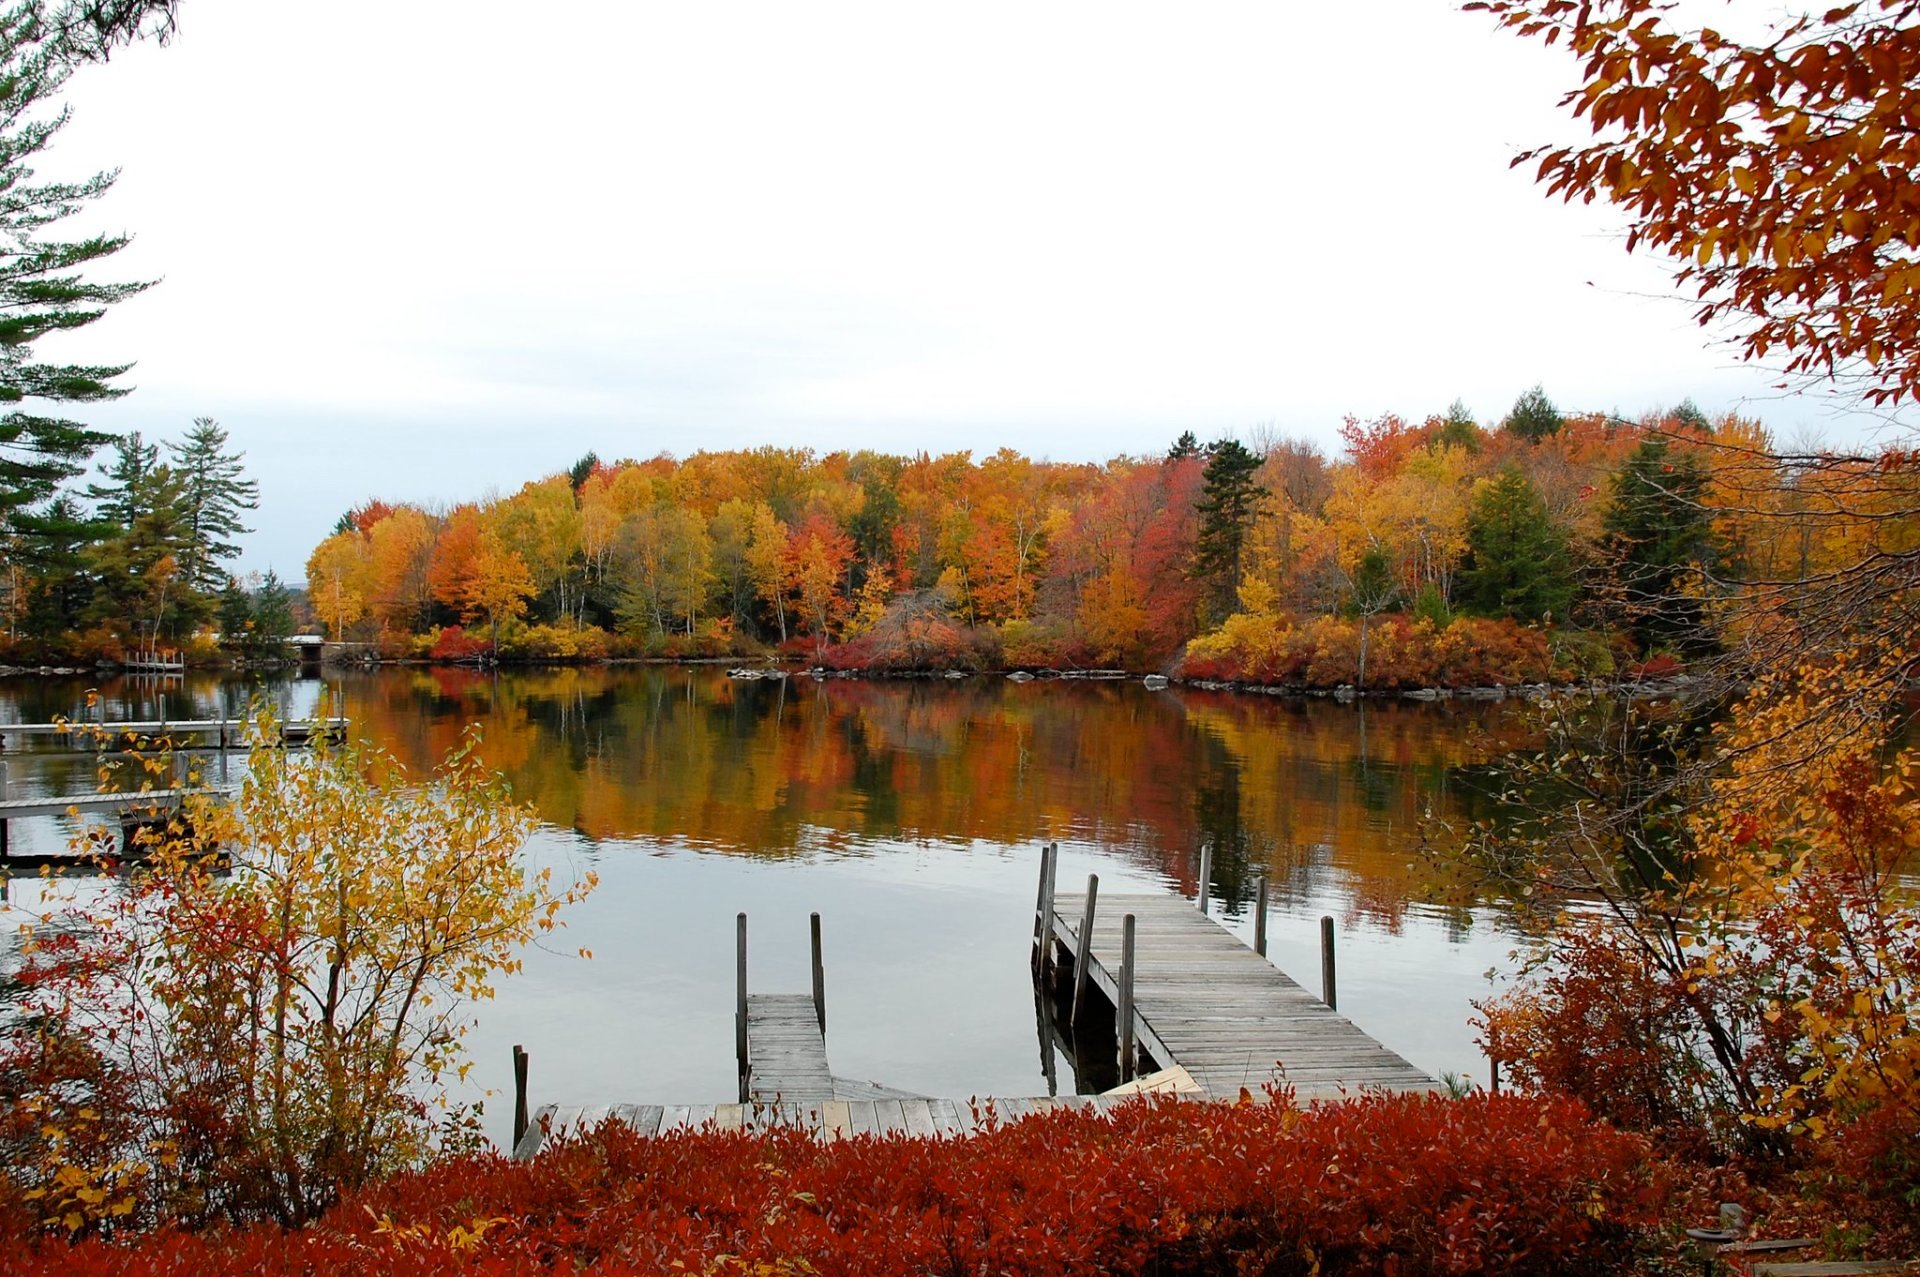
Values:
[(1381, 1184), (455, 644)]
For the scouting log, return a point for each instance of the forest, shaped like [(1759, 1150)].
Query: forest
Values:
[(1543, 548)]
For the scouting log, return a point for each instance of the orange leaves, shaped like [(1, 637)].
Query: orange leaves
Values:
[(1783, 171)]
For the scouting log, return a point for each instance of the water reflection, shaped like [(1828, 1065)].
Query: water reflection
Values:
[(910, 814)]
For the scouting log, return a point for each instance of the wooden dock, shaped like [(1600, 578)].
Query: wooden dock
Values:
[(1202, 1000), (1212, 1016), (786, 1051), (830, 1119), (132, 809), (206, 733)]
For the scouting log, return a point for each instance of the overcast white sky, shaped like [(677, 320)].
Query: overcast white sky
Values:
[(425, 250)]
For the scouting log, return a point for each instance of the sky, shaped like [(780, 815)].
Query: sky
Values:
[(429, 251)]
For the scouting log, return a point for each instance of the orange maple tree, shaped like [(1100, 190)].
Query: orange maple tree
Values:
[(1780, 171)]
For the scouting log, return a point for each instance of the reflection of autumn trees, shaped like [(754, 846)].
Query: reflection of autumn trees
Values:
[(781, 767)]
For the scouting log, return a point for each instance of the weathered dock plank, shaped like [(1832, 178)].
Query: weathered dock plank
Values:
[(1207, 1003), (786, 1051)]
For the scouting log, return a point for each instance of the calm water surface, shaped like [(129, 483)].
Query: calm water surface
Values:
[(910, 816)]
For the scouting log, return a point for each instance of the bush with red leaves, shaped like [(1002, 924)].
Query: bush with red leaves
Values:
[(1381, 1184)]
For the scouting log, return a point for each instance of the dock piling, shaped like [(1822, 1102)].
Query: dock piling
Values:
[(1042, 934), (1083, 952), (519, 1093), (740, 1003), (1327, 990), (819, 978), (1125, 1009), (1260, 917), (1206, 875)]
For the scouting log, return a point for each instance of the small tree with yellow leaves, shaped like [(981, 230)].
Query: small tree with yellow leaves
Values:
[(268, 1011)]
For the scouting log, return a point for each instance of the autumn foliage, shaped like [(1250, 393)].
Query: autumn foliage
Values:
[(1379, 1184), (1777, 168)]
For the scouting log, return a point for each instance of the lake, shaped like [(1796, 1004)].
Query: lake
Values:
[(910, 815)]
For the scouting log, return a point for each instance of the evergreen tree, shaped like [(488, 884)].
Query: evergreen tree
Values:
[(42, 286), (1534, 417), (273, 610), (142, 588), (1228, 504), (1659, 548), (1459, 429), (129, 480), (235, 616), (1518, 561), (52, 566), (1183, 447), (214, 494), (581, 471)]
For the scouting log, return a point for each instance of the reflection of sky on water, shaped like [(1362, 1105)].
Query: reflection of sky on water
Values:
[(927, 925)]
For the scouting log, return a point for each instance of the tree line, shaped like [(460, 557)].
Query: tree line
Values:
[(1616, 534)]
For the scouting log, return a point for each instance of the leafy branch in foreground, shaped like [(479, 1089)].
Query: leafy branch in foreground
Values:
[(266, 1011)]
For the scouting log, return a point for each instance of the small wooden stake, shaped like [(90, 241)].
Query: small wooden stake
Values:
[(1206, 875), (1083, 953), (740, 1004), (1327, 991), (1260, 918), (519, 1093), (1126, 998), (819, 979)]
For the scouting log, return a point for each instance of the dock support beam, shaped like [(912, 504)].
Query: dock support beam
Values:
[(740, 1003), (519, 1093), (819, 978), (1083, 952), (1126, 998), (1260, 917), (1043, 911), (1328, 993)]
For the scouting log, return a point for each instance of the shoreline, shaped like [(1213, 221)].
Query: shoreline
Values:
[(741, 669)]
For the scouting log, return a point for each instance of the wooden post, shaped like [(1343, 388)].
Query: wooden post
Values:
[(1083, 952), (1049, 867), (3, 779), (1040, 908), (1206, 875), (163, 713), (819, 979), (1260, 917), (1126, 998), (1327, 991), (519, 1093), (740, 1003)]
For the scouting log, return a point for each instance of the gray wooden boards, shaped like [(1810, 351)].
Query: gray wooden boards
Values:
[(1208, 1003), (830, 1119), (786, 1052)]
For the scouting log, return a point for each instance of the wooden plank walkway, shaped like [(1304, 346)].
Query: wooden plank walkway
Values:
[(1206, 1002), (830, 1119), (223, 733), (786, 1051)]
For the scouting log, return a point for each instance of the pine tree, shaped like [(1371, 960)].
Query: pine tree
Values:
[(1183, 447), (215, 494), (42, 286), (1228, 504), (1659, 547), (1518, 560), (126, 494), (1534, 417), (142, 587), (272, 609)]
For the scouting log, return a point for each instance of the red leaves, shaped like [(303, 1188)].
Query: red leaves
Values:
[(1412, 1184)]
